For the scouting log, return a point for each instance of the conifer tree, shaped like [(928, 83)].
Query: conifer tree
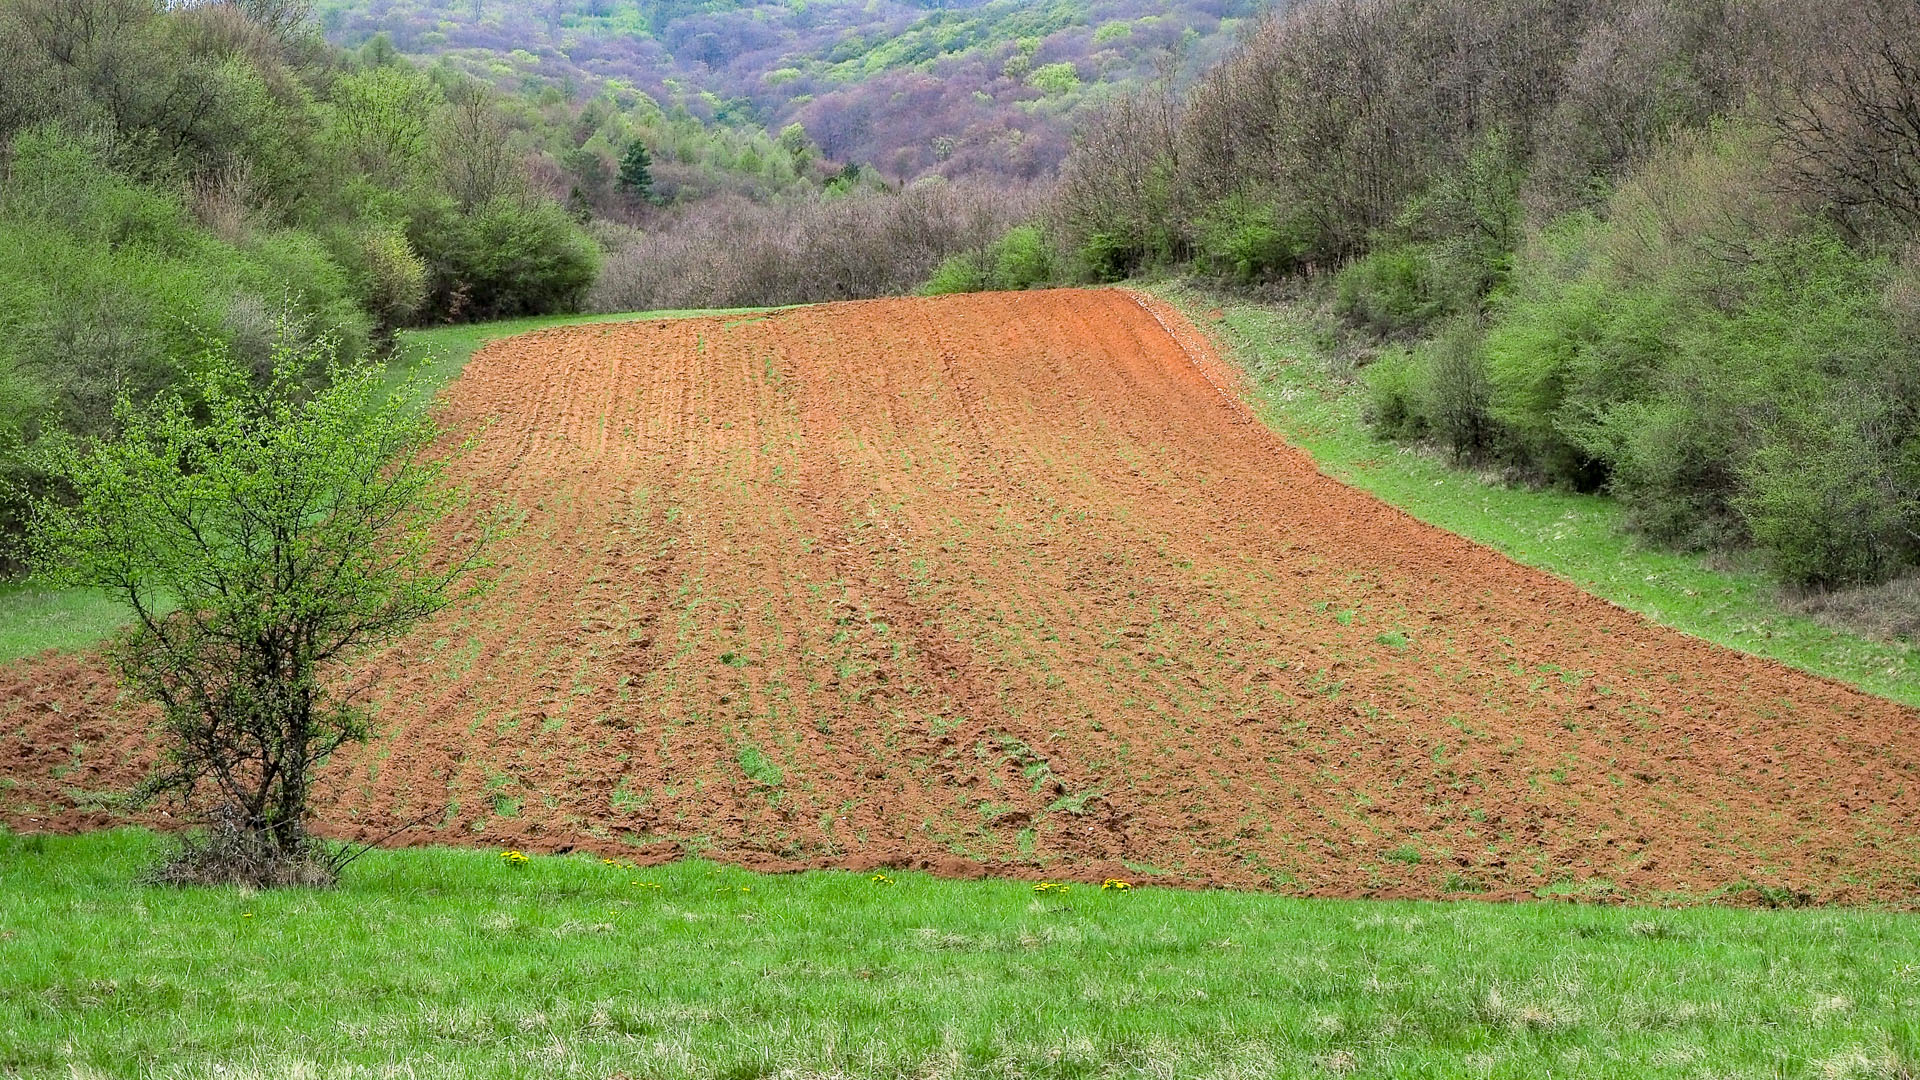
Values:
[(636, 172)]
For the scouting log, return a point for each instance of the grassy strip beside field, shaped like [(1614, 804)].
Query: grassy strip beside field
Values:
[(34, 619), (1578, 537), (456, 963)]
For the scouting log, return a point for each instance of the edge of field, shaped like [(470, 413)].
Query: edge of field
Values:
[(1288, 379)]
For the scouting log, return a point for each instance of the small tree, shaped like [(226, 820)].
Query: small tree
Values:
[(264, 537), (636, 172)]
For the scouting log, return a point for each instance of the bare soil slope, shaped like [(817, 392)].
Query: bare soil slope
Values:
[(1009, 582)]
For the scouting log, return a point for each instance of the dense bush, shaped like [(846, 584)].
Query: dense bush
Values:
[(1439, 390), (1249, 238), (108, 285), (1390, 291), (1022, 259), (176, 178), (1731, 369), (505, 259), (1658, 249)]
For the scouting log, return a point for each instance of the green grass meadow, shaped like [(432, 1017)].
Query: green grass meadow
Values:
[(1581, 538), (450, 963)]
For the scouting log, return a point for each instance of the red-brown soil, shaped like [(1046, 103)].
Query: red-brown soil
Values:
[(1007, 583)]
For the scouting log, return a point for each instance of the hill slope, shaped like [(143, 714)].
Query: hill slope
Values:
[(908, 86), (1009, 581)]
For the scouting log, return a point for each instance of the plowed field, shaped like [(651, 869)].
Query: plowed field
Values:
[(1008, 582)]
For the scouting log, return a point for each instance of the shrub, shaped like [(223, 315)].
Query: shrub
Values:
[(1249, 238), (962, 273), (1561, 335), (1730, 378), (506, 259), (1439, 391), (1824, 500), (1110, 257), (1453, 391), (389, 277), (1389, 291), (1060, 78), (106, 283), (1392, 403), (1021, 259), (295, 276)]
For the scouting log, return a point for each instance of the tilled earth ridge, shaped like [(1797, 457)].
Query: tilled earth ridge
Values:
[(1009, 583)]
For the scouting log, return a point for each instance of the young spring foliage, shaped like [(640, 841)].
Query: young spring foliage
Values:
[(264, 536)]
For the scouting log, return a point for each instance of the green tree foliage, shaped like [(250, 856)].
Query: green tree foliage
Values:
[(799, 148), (1060, 78), (264, 538), (184, 176), (1021, 259), (106, 284), (1730, 368), (507, 259)]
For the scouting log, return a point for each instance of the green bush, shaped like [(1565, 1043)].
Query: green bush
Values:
[(1566, 345), (298, 279), (507, 259), (1111, 256), (1389, 291), (1733, 372), (1439, 391), (1022, 259), (1453, 391), (1249, 238), (389, 278), (105, 284), (1393, 404), (1734, 381), (960, 273), (1824, 501)]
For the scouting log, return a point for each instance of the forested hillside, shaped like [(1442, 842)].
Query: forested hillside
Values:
[(906, 87)]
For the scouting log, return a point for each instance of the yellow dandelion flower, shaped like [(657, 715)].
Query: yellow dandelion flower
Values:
[(1116, 885)]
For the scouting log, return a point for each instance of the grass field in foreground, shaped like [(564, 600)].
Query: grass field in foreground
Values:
[(34, 619), (433, 963), (1580, 538)]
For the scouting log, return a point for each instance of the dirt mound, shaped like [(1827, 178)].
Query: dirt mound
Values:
[(1007, 582)]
